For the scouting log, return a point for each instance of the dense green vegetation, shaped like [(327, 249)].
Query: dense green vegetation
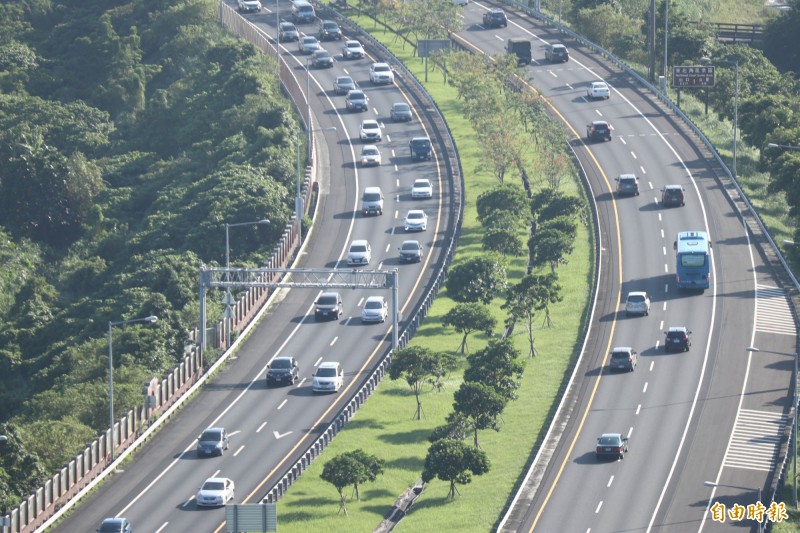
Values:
[(130, 133)]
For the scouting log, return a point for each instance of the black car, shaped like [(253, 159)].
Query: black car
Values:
[(611, 445), (410, 252), (421, 148), (599, 130), (495, 18), (213, 441), (673, 195), (556, 53), (283, 370), (321, 59), (628, 184), (677, 338), (328, 305), (329, 30)]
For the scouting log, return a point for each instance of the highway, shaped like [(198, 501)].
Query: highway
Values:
[(711, 414), (715, 413), (270, 428)]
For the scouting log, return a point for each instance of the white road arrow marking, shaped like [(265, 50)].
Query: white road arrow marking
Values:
[(281, 435)]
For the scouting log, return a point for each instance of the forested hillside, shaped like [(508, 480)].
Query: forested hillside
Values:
[(130, 133)]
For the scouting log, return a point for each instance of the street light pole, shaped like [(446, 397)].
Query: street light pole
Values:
[(228, 297), (666, 39), (151, 319)]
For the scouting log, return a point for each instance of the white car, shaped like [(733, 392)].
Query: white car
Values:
[(637, 303), (422, 188), (328, 377), (246, 6), (370, 156), (598, 89), (374, 310), (370, 131), (360, 253), (416, 220), (381, 74), (215, 491), (308, 45), (352, 50)]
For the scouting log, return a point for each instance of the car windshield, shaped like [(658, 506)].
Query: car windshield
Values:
[(369, 125), (356, 95), (352, 44), (608, 441), (330, 26), (401, 107), (358, 248), (327, 300), (414, 216), (309, 40), (327, 372), (373, 305), (382, 68), (213, 485), (282, 363), (110, 527), (619, 355), (420, 184), (420, 142), (287, 26), (321, 53), (372, 197), (410, 246), (210, 436), (369, 151)]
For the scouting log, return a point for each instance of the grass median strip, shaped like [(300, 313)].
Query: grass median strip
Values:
[(386, 427)]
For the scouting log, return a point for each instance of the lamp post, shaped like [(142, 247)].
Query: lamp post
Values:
[(228, 297), (666, 40), (151, 319), (784, 146), (299, 203)]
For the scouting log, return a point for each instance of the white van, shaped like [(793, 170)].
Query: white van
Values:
[(372, 201), (303, 12)]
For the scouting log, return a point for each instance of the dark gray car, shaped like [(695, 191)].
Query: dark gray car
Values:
[(623, 358), (400, 112), (410, 252), (328, 305), (213, 441), (343, 84), (283, 370)]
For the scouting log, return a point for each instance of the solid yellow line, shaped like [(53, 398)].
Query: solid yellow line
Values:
[(613, 323)]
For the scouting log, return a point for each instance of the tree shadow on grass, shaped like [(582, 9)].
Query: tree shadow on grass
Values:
[(370, 494), (314, 502), (406, 437), (298, 516), (433, 502), (365, 423), (412, 464)]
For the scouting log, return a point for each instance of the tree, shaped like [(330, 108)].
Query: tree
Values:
[(780, 39), (418, 366), (20, 470), (481, 406), (478, 279), (343, 471), (468, 317), (551, 203), (552, 242), (456, 428), (507, 198), (454, 461), (372, 467), (532, 293), (496, 366)]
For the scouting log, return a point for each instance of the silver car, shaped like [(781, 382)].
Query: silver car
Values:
[(374, 310), (637, 303), (343, 84), (400, 112), (308, 45)]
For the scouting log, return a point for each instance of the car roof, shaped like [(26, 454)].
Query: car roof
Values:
[(558, 45), (627, 177), (400, 103), (287, 24), (637, 293), (214, 428), (422, 181), (369, 147), (375, 299), (611, 435), (416, 212), (332, 293), (596, 83), (369, 122), (600, 123), (216, 479), (359, 241), (289, 357), (355, 92), (329, 364), (420, 139), (621, 349), (674, 187), (678, 329), (411, 242)]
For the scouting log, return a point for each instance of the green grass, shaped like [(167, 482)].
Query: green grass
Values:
[(385, 426)]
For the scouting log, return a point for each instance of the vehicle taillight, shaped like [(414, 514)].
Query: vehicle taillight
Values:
[(618, 449)]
